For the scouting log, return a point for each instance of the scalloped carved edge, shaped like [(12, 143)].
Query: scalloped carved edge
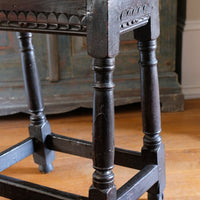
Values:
[(133, 16), (49, 21)]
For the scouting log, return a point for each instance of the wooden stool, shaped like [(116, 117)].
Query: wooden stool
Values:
[(102, 22)]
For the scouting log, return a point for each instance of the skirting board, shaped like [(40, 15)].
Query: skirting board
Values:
[(190, 58), (192, 25), (191, 92)]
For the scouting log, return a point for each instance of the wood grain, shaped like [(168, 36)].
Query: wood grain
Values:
[(45, 6), (73, 174)]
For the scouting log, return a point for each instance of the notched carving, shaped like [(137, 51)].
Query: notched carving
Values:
[(75, 22), (3, 16), (21, 17), (31, 17), (41, 20), (133, 16), (63, 22), (52, 20), (12, 16), (62, 19)]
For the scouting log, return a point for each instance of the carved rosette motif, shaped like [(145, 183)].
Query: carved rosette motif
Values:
[(134, 16), (49, 21)]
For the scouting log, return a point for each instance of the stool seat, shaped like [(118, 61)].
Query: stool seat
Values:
[(102, 22)]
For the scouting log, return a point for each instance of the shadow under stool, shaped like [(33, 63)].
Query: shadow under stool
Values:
[(102, 22)]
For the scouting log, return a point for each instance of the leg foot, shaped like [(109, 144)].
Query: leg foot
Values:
[(103, 187), (42, 156), (46, 168), (106, 194), (155, 196), (39, 127)]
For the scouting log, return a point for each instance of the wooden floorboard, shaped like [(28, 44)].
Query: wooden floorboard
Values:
[(180, 133)]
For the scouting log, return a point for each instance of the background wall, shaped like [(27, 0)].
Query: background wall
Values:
[(190, 77)]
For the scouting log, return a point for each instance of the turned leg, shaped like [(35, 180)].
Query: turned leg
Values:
[(39, 127), (103, 187), (153, 150)]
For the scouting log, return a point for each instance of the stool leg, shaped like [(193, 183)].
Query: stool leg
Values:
[(103, 187), (153, 149), (39, 127)]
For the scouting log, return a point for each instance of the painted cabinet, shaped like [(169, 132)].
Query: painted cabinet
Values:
[(66, 73)]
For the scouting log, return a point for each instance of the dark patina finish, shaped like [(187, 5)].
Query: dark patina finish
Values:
[(65, 84), (102, 22)]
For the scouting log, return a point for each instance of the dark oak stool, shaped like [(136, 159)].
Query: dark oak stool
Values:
[(102, 22)]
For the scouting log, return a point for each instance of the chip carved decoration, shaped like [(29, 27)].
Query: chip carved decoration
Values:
[(49, 21), (133, 16), (65, 23)]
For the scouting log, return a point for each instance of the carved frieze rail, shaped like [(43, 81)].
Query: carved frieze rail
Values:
[(42, 21), (130, 18)]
